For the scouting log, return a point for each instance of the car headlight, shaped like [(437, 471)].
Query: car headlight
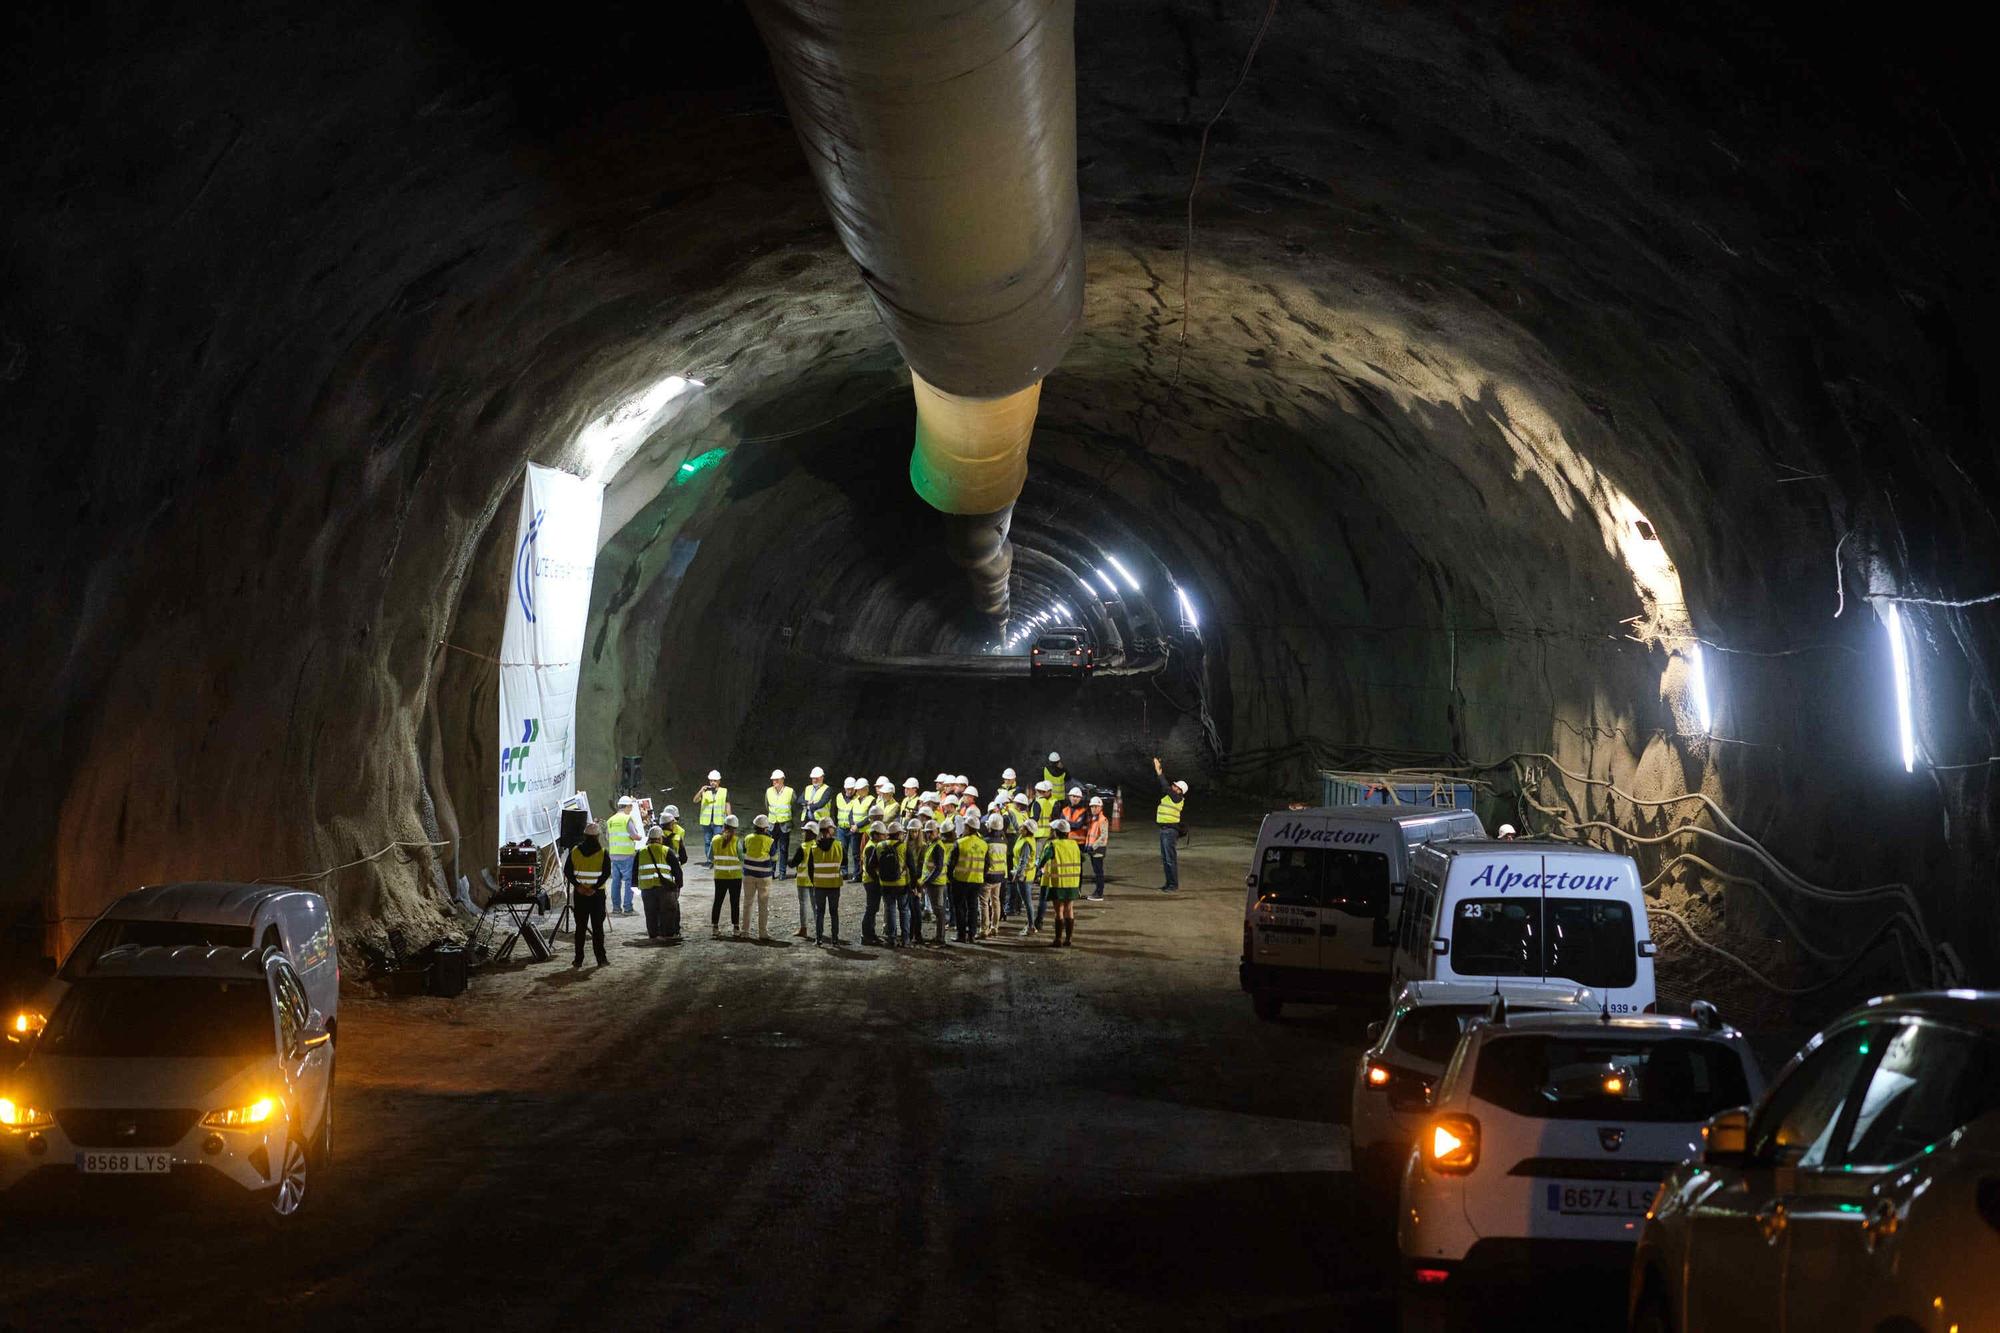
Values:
[(242, 1117), (13, 1115), (26, 1025)]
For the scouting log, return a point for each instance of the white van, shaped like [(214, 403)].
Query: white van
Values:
[(225, 916), (1322, 890), (1477, 910)]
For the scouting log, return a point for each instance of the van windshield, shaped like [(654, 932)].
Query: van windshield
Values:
[(1356, 883), (1586, 940), (112, 932)]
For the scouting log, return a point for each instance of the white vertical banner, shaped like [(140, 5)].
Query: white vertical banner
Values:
[(541, 649)]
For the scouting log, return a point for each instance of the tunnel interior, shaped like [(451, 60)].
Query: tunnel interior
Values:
[(1559, 394)]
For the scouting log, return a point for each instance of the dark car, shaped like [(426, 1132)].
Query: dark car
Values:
[(1058, 652)]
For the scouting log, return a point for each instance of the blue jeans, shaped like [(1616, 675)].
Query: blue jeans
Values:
[(1170, 856), (874, 893), (846, 837), (826, 902), (1041, 905), (709, 833), (781, 848), (897, 902), (622, 882)]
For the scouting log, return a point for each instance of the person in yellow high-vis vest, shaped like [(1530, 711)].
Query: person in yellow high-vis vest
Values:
[(1061, 865), (821, 864), (726, 851), (759, 865), (711, 808), (587, 869), (1169, 816), (967, 869), (779, 802), (658, 869)]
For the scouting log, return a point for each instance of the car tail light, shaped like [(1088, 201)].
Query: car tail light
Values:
[(1378, 1075), (1451, 1144), (1431, 1277)]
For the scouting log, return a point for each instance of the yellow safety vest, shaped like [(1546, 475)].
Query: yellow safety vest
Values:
[(722, 849), (678, 836), (815, 800), (714, 804), (890, 871), (1066, 870), (822, 866), (757, 855), (778, 804), (591, 868), (1045, 809), (971, 865), (1170, 810), (1060, 781), (1024, 858), (932, 864), (908, 806), (996, 860), (621, 841), (654, 866)]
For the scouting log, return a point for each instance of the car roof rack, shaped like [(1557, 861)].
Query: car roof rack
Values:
[(1706, 1016)]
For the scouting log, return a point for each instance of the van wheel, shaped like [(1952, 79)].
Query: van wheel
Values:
[(1268, 1005)]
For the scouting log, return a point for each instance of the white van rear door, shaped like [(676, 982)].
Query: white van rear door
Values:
[(1285, 919)]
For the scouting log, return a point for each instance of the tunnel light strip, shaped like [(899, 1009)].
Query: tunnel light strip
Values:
[(1110, 588), (1124, 573), (1698, 685), (1899, 656), (1187, 608)]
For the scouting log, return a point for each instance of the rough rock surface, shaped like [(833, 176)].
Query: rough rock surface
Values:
[(292, 292)]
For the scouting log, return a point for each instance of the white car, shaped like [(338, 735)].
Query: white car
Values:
[(1864, 1192), (195, 1062), (1547, 1139), (1408, 1052), (215, 915)]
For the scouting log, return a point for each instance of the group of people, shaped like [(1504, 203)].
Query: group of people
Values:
[(934, 855)]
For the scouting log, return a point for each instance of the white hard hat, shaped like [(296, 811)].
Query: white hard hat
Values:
[(625, 801), (1506, 830), (714, 776), (1043, 786), (1180, 787), (1076, 791), (893, 826), (911, 782), (826, 826), (1007, 773), (928, 798), (654, 833), (875, 826), (970, 790), (1097, 800), (995, 823), (1059, 826), (849, 782), (1054, 758), (777, 773), (1028, 827), (817, 772), (730, 821), (762, 821), (943, 778), (672, 812), (1020, 798), (883, 781)]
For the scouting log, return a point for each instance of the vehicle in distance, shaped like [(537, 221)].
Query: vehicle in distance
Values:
[(196, 1063), (1546, 1141), (1062, 651), (1864, 1192)]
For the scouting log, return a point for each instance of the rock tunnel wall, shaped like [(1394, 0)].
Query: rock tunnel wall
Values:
[(290, 299)]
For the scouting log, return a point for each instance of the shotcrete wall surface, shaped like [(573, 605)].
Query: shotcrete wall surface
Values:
[(1513, 359)]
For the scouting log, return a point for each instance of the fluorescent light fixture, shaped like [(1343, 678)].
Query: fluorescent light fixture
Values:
[(1124, 573), (1064, 608), (1110, 588), (1899, 655), (1187, 607), (1698, 686)]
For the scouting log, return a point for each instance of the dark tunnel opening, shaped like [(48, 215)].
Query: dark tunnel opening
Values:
[(1489, 421)]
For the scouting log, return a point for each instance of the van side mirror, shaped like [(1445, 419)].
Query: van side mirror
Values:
[(315, 1034), (1648, 949), (1725, 1138), (1440, 946), (1375, 1032)]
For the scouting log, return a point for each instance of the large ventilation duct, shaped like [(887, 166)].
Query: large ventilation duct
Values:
[(943, 138)]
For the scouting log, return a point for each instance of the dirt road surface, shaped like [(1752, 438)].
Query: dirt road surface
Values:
[(734, 1133)]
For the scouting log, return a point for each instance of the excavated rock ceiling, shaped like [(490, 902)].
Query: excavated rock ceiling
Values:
[(1476, 298)]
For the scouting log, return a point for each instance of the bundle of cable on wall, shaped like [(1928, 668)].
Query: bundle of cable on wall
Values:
[(943, 141)]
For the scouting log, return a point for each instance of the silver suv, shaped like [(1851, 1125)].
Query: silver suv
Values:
[(1863, 1192)]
